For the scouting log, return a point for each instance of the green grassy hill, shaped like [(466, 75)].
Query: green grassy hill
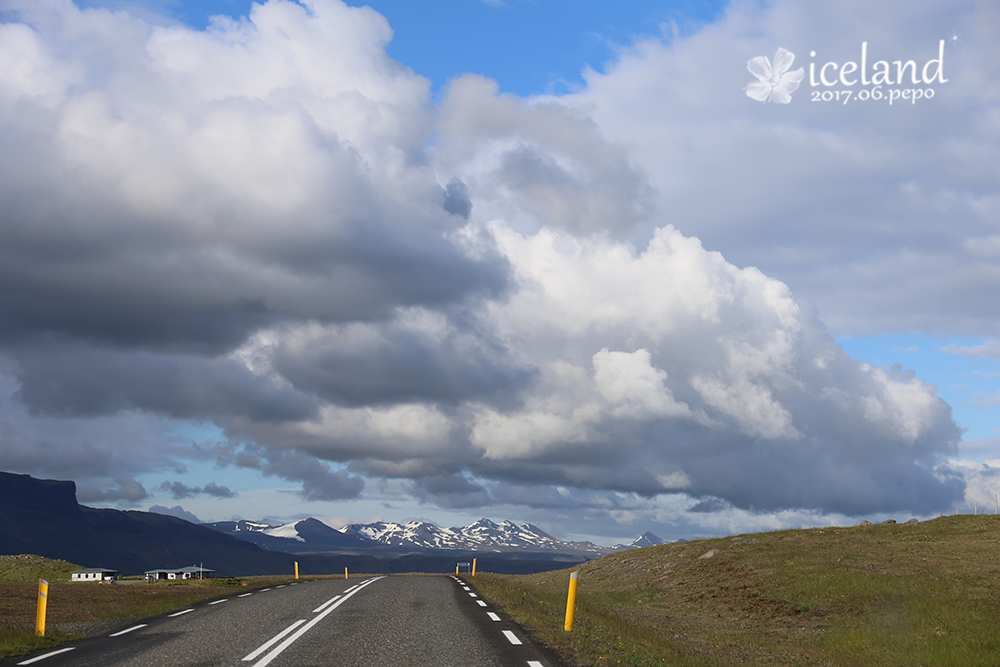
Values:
[(882, 595), (26, 567)]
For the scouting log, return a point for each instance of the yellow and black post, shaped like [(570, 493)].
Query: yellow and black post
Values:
[(473, 567), (296, 569)]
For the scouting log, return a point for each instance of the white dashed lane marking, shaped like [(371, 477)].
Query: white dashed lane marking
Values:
[(511, 637), (180, 613), (244, 595), (46, 655), (128, 630), (473, 595), (219, 601)]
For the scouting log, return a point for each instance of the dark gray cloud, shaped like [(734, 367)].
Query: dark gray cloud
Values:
[(430, 360), (710, 505), (318, 481), (456, 199), (73, 378), (124, 490), (451, 492), (180, 490)]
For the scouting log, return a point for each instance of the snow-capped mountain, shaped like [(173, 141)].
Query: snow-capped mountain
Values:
[(481, 536), (305, 536), (647, 539), (288, 530), (484, 536), (240, 526)]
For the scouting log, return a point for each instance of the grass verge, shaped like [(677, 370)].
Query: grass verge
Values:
[(880, 596)]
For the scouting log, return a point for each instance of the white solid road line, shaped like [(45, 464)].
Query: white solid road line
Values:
[(125, 632), (511, 637), (322, 606), (274, 640), (305, 628), (493, 616), (180, 613), (46, 655)]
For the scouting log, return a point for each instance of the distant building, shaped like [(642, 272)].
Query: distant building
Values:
[(190, 572), (94, 574)]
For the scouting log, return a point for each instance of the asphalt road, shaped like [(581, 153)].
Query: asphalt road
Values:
[(398, 621)]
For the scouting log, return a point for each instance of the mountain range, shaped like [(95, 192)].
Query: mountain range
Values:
[(484, 536), (43, 517)]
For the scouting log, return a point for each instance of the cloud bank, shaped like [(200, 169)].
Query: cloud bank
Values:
[(268, 227)]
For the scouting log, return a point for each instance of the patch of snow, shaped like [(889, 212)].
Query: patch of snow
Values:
[(287, 530)]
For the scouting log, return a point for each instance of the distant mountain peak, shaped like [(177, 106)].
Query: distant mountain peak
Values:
[(647, 539)]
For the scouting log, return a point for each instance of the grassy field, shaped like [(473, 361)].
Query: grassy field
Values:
[(82, 608), (880, 596), (30, 568)]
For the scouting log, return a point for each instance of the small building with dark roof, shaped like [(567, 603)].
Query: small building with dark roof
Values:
[(190, 572)]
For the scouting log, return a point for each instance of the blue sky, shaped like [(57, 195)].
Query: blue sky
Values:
[(969, 384), (529, 47), (276, 262)]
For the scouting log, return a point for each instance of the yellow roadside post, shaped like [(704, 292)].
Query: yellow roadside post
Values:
[(456, 569), (43, 601), (473, 567), (345, 573), (571, 601), (296, 569)]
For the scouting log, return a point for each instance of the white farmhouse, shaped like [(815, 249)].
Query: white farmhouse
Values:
[(94, 574)]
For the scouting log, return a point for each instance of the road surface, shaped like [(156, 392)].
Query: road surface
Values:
[(397, 621)]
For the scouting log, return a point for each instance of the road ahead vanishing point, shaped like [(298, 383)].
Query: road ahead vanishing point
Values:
[(398, 621)]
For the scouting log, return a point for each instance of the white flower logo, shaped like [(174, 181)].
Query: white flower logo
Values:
[(774, 84)]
